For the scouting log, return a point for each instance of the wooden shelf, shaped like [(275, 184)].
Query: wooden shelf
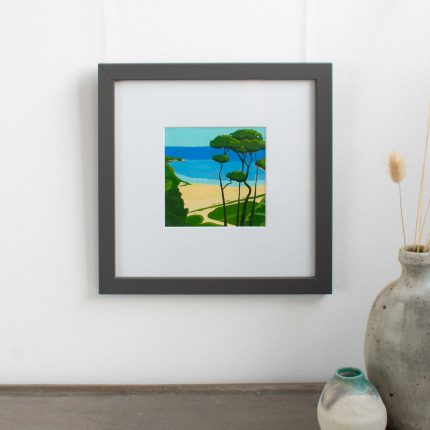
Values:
[(165, 407)]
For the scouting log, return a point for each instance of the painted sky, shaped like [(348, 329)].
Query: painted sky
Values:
[(200, 136)]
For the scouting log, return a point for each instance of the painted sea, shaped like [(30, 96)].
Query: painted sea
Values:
[(199, 168)]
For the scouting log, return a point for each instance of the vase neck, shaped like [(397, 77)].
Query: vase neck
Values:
[(414, 264), (352, 378), (416, 271)]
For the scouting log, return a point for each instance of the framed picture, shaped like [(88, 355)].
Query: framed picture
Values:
[(215, 178)]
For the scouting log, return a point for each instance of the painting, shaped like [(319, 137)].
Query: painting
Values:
[(215, 176), (246, 148)]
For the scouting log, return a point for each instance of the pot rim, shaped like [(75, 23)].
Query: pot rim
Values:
[(413, 258), (349, 373)]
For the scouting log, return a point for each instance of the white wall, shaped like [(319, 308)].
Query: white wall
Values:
[(54, 327)]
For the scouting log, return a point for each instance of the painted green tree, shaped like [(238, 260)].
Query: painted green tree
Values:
[(222, 142), (245, 143), (259, 164), (250, 142), (175, 211), (239, 177)]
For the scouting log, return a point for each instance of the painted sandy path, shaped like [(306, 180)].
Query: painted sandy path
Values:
[(205, 197), (198, 196)]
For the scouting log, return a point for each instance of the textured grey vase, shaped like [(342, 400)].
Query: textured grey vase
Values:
[(350, 402), (397, 345)]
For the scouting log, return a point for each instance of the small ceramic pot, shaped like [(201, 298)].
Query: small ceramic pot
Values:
[(350, 402)]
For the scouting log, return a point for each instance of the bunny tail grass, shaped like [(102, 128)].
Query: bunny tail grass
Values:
[(396, 167), (424, 221), (420, 196), (401, 214)]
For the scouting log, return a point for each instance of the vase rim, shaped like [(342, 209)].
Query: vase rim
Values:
[(408, 255), (349, 373)]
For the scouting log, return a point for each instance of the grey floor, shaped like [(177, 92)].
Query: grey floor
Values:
[(219, 408)]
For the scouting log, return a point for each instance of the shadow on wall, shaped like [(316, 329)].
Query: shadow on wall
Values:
[(87, 175)]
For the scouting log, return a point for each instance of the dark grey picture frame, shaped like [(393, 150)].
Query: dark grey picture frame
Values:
[(321, 74)]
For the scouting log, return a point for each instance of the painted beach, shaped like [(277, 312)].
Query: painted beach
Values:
[(215, 177)]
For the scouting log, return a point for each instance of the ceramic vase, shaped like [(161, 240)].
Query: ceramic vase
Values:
[(397, 345), (350, 402)]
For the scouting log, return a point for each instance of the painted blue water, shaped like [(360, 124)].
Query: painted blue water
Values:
[(199, 168)]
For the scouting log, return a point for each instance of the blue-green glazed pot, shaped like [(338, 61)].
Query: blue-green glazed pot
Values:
[(350, 402)]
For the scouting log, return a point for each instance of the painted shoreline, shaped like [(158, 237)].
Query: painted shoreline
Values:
[(199, 196), (204, 181)]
